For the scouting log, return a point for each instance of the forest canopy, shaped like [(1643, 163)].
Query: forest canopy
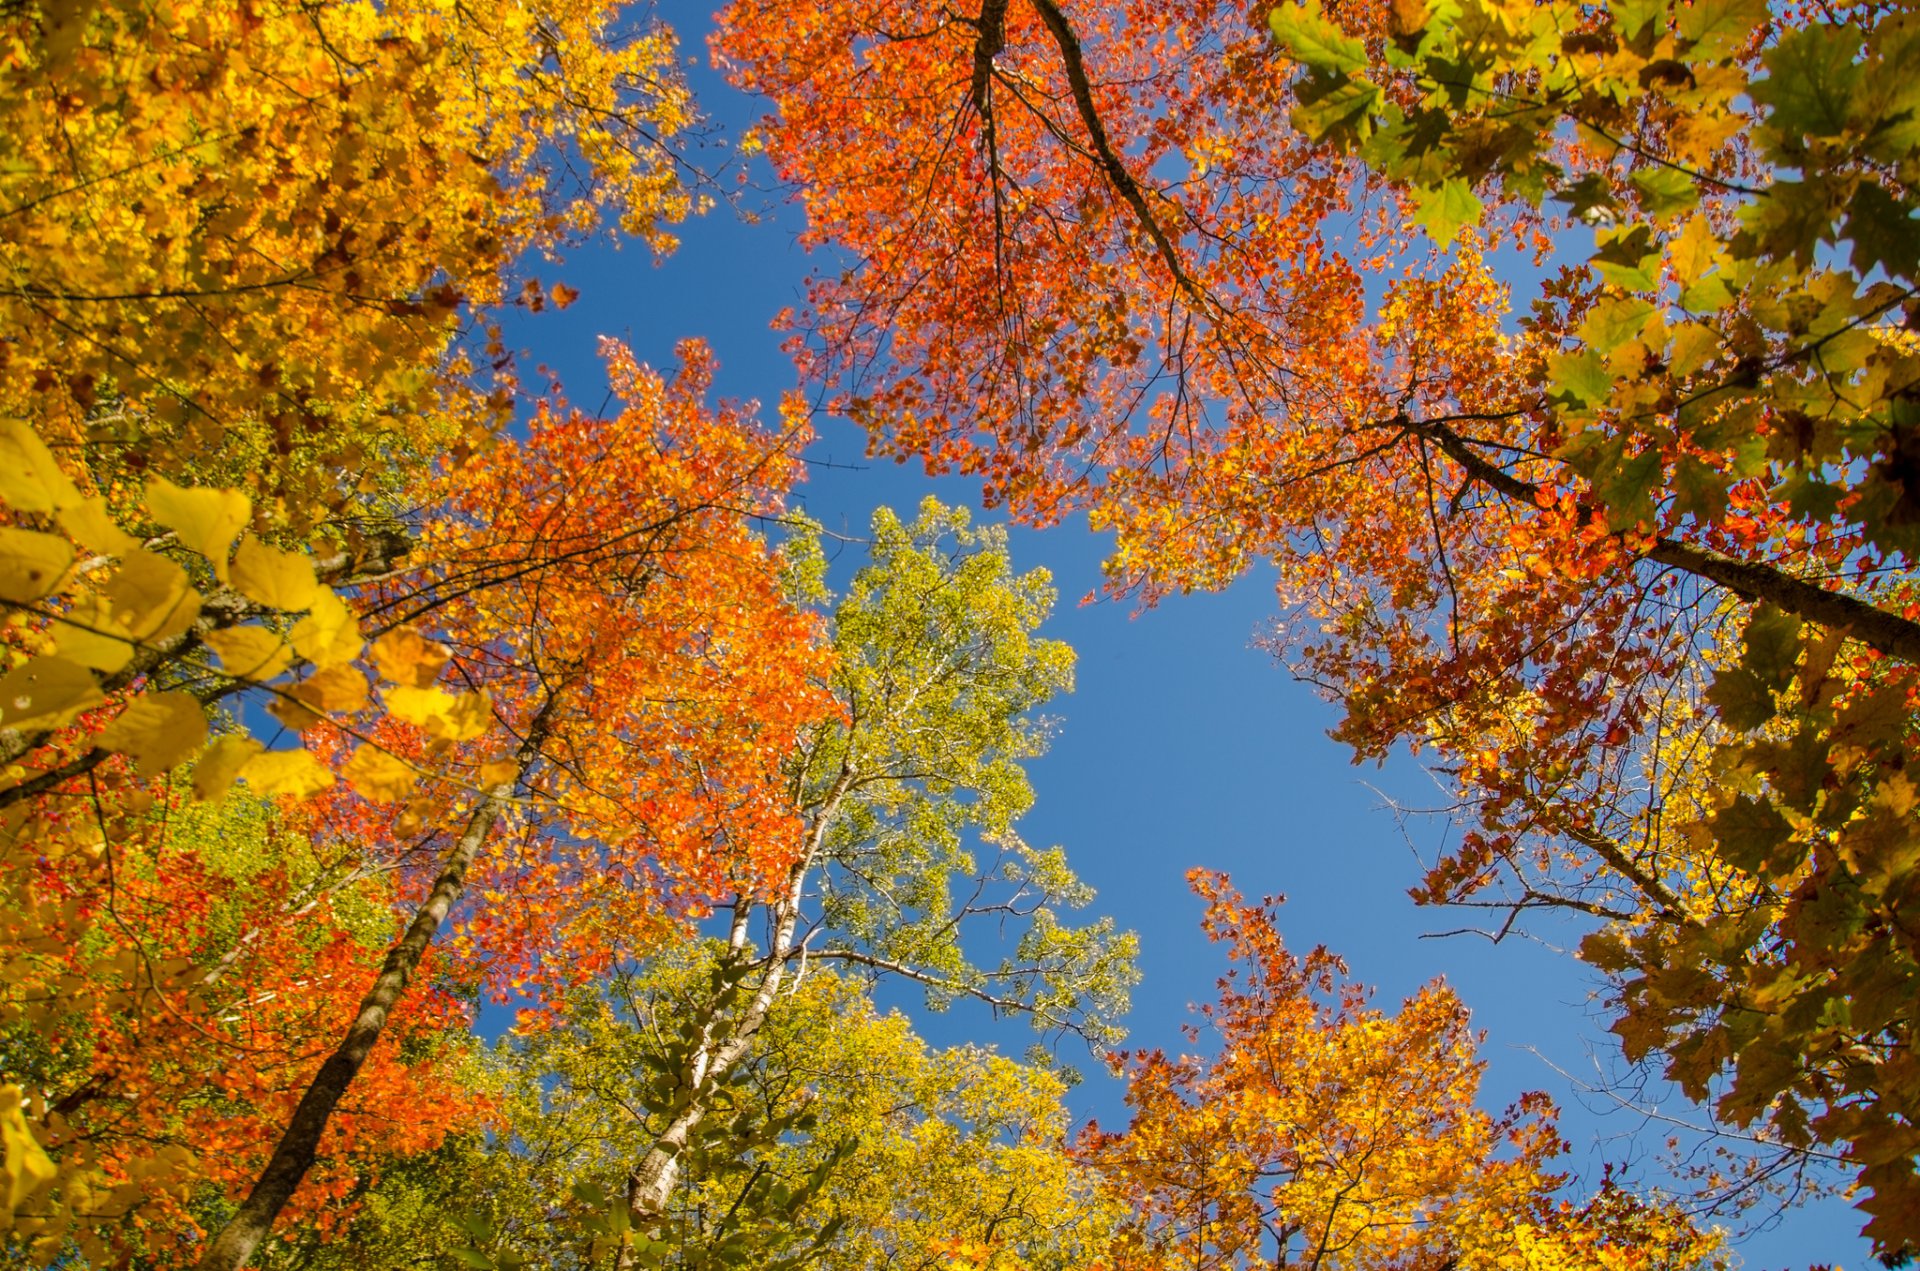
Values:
[(1559, 360)]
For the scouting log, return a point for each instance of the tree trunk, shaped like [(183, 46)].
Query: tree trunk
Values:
[(293, 1156)]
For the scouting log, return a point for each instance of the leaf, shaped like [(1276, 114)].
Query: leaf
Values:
[(278, 579), (334, 690), (1718, 28), (1591, 198), (444, 715), (1339, 109), (288, 772), (408, 659), (150, 597), (378, 775), (1741, 698), (88, 522), (1812, 75), (30, 479), (330, 634), (1614, 321), (88, 634), (1581, 377), (1446, 209), (31, 564), (1884, 232), (499, 772), (1772, 646), (1626, 257), (159, 730), (249, 652), (28, 1167), (1665, 192), (1312, 39), (205, 520), (293, 713), (46, 692), (220, 763)]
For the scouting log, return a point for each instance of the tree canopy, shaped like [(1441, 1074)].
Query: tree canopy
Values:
[(1559, 359)]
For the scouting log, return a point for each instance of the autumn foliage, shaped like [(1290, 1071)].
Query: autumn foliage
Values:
[(1326, 1133), (1559, 360)]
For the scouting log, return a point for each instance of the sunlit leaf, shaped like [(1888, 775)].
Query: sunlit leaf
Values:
[(31, 564), (159, 730), (206, 520)]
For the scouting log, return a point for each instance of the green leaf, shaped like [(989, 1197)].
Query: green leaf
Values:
[(1884, 232), (1446, 209), (1334, 110), (1591, 194), (1665, 192), (1742, 699), (1812, 73), (1626, 258), (1311, 38), (1699, 490), (1749, 832), (1627, 489), (1614, 321), (1720, 27), (1633, 17), (1772, 645), (1581, 377)]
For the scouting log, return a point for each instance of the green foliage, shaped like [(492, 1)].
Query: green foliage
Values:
[(940, 675), (843, 1142)]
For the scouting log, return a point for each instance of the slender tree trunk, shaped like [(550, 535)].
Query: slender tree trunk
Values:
[(650, 1183), (293, 1156)]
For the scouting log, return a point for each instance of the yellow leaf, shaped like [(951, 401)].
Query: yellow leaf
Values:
[(30, 480), (277, 579), (294, 713), (292, 772), (250, 653), (443, 714), (408, 659), (221, 763), (87, 521), (160, 730), (31, 565), (501, 772), (151, 597), (28, 1166), (88, 634), (378, 775), (335, 688), (205, 520), (329, 635), (46, 693)]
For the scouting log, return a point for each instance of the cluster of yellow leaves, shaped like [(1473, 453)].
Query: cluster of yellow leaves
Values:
[(1331, 1134), (239, 238)]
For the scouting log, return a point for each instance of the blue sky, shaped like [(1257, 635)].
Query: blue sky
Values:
[(1182, 745)]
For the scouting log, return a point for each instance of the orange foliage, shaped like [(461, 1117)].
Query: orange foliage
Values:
[(1324, 1133)]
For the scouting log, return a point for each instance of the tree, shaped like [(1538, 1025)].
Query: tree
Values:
[(841, 1141), (257, 246), (936, 672), (1236, 283), (1326, 1134), (625, 679)]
